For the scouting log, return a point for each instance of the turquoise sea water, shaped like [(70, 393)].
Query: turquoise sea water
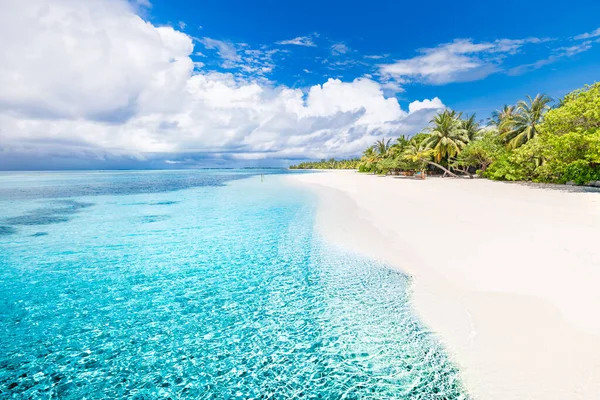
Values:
[(197, 284)]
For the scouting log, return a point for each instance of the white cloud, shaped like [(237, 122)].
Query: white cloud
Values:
[(392, 87), (306, 41), (575, 49), (226, 50), (339, 49), (181, 25), (588, 35), (256, 62), (557, 54), (94, 79), (94, 60), (434, 103), (375, 57), (143, 3), (461, 60)]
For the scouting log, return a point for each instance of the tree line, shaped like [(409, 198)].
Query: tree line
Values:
[(332, 163), (533, 140)]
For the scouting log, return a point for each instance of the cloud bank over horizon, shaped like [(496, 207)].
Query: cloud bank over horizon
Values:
[(98, 83), (94, 80)]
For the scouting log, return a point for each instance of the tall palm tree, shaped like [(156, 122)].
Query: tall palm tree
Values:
[(524, 124), (368, 152), (382, 146), (402, 140), (369, 158), (370, 155), (502, 117), (471, 126), (398, 147), (447, 136), (421, 151)]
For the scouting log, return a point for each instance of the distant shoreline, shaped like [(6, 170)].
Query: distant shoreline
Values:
[(506, 275)]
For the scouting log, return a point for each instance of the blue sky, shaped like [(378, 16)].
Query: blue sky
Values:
[(181, 83), (397, 30)]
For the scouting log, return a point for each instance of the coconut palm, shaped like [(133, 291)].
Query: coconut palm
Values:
[(523, 126), (402, 140), (446, 135), (471, 126), (398, 147), (369, 152), (382, 146), (421, 151), (501, 118), (369, 158)]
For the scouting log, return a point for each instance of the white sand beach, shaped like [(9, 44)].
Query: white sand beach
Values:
[(507, 275)]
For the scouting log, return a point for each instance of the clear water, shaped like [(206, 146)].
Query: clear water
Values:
[(196, 284)]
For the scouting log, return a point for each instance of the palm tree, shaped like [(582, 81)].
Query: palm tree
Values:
[(447, 136), (524, 124), (382, 146), (471, 126), (398, 147), (419, 150), (402, 140), (501, 118), (369, 158)]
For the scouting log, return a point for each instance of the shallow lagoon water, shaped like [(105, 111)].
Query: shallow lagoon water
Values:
[(197, 284)]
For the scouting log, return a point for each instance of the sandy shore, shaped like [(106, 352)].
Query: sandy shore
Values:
[(507, 275)]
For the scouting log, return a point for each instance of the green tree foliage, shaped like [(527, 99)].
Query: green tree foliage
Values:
[(382, 147), (447, 135), (500, 118), (529, 141), (418, 151), (524, 124), (328, 164), (471, 126), (479, 154), (567, 148), (579, 111), (573, 156)]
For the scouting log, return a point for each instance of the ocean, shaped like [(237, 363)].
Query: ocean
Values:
[(204, 284)]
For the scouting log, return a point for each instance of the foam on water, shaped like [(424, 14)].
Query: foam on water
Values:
[(218, 291)]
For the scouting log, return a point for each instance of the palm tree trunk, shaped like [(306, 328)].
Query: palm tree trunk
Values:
[(446, 171)]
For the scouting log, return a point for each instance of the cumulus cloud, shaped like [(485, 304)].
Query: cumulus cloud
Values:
[(92, 60), (94, 80), (461, 60), (434, 103)]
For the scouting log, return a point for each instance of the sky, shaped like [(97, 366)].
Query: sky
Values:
[(133, 84)]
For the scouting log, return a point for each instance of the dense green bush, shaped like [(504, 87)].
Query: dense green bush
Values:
[(566, 150), (578, 111), (517, 165), (481, 153)]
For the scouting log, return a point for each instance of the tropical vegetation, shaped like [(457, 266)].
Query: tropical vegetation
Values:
[(529, 141), (328, 164)]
